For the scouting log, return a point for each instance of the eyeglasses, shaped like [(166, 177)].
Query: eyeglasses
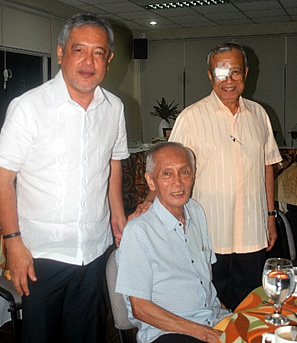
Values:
[(235, 75)]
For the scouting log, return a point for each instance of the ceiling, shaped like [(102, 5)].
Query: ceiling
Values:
[(133, 15)]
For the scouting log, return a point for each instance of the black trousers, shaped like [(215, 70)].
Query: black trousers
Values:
[(236, 275), (64, 302), (176, 338)]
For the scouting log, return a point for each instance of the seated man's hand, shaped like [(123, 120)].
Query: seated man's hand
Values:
[(149, 312), (209, 335)]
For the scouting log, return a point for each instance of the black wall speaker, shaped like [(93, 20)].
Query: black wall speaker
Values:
[(140, 48)]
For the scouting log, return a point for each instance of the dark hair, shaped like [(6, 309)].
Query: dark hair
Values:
[(150, 159), (79, 20), (226, 46)]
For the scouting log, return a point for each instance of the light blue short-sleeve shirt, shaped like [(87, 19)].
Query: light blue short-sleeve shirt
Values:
[(159, 261)]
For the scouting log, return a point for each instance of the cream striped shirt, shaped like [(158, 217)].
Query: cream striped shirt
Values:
[(231, 156)]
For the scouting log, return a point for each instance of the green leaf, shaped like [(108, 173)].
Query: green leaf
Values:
[(165, 111)]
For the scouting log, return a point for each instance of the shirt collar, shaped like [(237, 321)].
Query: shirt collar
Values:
[(61, 91), (170, 222), (62, 95), (220, 106)]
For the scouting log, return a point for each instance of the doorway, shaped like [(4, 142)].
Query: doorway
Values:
[(24, 72)]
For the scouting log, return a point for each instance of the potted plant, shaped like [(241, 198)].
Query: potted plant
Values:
[(165, 112)]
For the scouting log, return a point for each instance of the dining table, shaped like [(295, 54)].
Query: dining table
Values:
[(247, 323)]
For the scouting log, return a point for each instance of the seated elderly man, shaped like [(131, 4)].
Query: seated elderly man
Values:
[(165, 257)]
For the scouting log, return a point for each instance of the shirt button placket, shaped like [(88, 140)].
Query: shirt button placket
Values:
[(84, 168)]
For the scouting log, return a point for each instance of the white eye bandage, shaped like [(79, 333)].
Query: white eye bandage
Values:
[(222, 73)]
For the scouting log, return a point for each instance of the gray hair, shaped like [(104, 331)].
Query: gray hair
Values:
[(79, 20), (150, 159), (226, 46)]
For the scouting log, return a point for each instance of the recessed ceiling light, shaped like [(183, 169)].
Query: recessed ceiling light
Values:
[(153, 22), (166, 5)]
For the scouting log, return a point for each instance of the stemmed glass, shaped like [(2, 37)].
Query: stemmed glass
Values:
[(278, 283)]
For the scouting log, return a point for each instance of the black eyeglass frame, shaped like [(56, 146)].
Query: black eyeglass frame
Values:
[(231, 74)]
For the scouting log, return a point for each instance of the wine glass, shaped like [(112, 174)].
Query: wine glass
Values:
[(278, 283)]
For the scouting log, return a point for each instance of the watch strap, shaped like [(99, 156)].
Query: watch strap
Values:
[(272, 213)]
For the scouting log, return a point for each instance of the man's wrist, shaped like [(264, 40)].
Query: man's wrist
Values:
[(272, 213), (12, 235)]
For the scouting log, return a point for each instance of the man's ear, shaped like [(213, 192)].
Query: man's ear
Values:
[(59, 54), (246, 71), (209, 75), (150, 181), (109, 59)]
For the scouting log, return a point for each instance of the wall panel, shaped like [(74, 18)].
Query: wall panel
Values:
[(27, 31), (290, 119), (161, 76), (197, 82), (266, 81)]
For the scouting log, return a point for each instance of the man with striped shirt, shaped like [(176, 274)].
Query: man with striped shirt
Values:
[(235, 149)]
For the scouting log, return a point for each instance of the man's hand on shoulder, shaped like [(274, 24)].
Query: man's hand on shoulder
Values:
[(141, 208), (144, 206)]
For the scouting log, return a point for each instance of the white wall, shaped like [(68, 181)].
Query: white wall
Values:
[(291, 90), (56, 27), (120, 80), (26, 31), (161, 76)]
